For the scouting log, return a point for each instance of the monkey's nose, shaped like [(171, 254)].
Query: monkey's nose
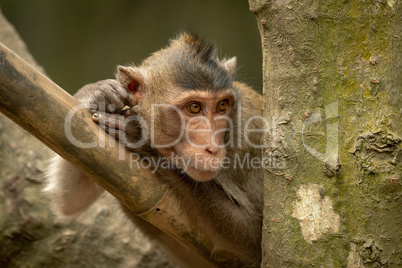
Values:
[(212, 150)]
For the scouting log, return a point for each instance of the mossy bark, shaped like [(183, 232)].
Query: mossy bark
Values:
[(333, 92)]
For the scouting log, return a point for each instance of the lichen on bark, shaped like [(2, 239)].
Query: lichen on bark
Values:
[(315, 212)]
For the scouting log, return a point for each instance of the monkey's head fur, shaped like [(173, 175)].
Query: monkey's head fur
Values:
[(184, 97)]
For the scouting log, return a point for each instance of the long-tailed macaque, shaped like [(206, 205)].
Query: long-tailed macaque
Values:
[(202, 121)]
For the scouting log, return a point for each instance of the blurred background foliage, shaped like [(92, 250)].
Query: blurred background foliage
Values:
[(81, 41)]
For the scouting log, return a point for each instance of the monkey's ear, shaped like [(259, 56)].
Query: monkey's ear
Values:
[(130, 78), (230, 65)]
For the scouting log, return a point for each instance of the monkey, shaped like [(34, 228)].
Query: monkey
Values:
[(190, 111)]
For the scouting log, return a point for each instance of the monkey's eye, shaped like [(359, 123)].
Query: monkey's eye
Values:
[(222, 106), (193, 108)]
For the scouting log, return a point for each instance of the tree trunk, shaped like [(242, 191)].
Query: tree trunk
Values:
[(29, 234), (333, 92)]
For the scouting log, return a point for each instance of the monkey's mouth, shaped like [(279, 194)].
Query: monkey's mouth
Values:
[(202, 175), (199, 167), (203, 170)]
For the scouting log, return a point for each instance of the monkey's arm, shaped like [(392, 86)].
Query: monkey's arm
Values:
[(69, 190)]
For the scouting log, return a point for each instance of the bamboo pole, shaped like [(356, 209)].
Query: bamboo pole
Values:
[(53, 116)]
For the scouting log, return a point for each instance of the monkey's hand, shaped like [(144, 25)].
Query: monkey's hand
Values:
[(108, 101), (105, 96), (127, 129)]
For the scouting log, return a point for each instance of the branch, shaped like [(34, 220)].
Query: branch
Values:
[(44, 110)]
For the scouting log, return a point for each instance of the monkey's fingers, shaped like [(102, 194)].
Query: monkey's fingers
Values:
[(120, 96), (115, 133), (109, 120), (113, 124)]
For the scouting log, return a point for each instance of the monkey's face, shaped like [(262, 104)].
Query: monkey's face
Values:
[(193, 129), (185, 125)]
